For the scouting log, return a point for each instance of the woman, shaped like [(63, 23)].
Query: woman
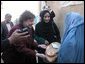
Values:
[(46, 32), (47, 29), (24, 52), (72, 44)]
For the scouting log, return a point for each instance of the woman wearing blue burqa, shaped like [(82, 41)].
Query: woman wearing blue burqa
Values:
[(72, 43)]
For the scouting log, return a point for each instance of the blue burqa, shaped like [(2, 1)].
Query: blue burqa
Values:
[(72, 43)]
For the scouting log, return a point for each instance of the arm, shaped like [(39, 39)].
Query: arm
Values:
[(21, 45), (5, 44), (39, 40), (34, 45), (3, 35), (37, 37)]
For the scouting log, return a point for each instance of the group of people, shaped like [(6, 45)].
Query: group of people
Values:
[(21, 47)]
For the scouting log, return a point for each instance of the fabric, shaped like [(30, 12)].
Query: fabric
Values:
[(72, 43)]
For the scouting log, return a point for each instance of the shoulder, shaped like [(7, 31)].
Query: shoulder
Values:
[(38, 24), (54, 24), (3, 22), (15, 27)]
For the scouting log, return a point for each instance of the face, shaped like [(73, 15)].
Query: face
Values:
[(8, 18), (47, 17), (28, 23)]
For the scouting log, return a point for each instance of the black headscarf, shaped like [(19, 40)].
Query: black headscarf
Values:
[(47, 30)]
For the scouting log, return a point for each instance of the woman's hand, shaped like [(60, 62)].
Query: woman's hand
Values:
[(42, 46)]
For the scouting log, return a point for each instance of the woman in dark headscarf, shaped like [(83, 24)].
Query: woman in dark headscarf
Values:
[(47, 29), (72, 44)]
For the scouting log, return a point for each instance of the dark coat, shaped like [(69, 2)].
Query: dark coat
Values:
[(23, 52), (5, 30), (47, 31)]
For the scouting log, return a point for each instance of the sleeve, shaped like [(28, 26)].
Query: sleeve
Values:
[(21, 48), (4, 44), (3, 35), (34, 45), (37, 37)]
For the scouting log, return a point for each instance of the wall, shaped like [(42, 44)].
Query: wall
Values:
[(61, 11)]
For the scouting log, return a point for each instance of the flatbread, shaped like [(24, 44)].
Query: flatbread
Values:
[(50, 51)]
